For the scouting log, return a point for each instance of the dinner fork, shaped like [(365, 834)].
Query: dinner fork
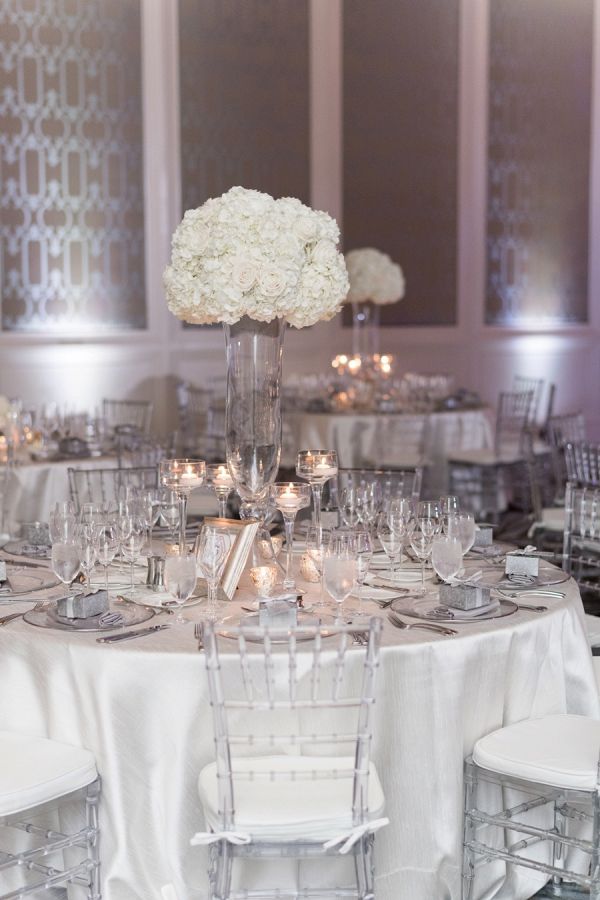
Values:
[(427, 626), (199, 635)]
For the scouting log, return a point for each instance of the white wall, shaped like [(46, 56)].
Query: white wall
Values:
[(482, 358)]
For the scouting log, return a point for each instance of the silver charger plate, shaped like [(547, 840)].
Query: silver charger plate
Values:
[(49, 618), (423, 609), (16, 548), (26, 581), (252, 620)]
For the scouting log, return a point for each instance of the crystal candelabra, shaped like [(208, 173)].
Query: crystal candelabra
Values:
[(182, 476), (222, 484), (317, 467), (289, 498)]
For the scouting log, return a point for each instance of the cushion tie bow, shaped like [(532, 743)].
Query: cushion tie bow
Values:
[(349, 838)]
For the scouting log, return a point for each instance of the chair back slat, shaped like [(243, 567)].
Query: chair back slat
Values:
[(582, 462), (512, 419), (136, 413), (102, 485)]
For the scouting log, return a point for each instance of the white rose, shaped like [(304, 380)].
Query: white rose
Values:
[(306, 228), (324, 253), (272, 281), (244, 273)]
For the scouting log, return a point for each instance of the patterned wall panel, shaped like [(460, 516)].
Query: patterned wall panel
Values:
[(538, 161), (400, 146), (71, 190), (244, 97)]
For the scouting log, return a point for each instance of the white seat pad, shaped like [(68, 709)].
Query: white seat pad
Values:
[(35, 770), (282, 809), (561, 751)]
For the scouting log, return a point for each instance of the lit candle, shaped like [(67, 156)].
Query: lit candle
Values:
[(222, 478), (288, 499)]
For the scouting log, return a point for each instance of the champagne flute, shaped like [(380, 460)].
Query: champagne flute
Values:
[(364, 555), (107, 543), (180, 580), (446, 556), (169, 511), (212, 549), (422, 543), (339, 566), (317, 539), (349, 507), (65, 560), (132, 545)]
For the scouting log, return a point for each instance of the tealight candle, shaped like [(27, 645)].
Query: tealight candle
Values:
[(317, 467)]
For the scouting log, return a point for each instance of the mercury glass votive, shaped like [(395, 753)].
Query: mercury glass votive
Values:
[(317, 467), (217, 475), (264, 579), (182, 476), (271, 547), (289, 498)]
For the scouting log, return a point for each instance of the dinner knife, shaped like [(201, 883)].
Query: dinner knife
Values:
[(129, 635)]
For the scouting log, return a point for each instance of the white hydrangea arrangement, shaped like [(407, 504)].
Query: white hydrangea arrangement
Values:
[(247, 254), (374, 276)]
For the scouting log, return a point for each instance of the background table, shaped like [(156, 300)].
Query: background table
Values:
[(143, 708), (386, 440)]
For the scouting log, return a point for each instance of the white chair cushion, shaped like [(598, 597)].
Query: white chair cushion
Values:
[(35, 770), (282, 809), (483, 458), (561, 751), (592, 627)]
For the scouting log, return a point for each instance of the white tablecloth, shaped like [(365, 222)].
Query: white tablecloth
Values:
[(142, 707), (399, 440)]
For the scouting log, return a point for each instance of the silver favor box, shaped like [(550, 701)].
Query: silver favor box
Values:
[(2, 572), (484, 535), (83, 606), (521, 564), (278, 613), (464, 596)]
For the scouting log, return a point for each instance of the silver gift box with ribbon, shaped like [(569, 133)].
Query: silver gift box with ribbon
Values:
[(83, 606), (522, 564), (464, 596)]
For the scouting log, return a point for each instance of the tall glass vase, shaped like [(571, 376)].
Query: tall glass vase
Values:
[(253, 413), (365, 329)]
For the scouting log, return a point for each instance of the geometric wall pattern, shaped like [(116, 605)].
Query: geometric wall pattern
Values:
[(244, 97), (71, 166), (400, 146), (540, 77)]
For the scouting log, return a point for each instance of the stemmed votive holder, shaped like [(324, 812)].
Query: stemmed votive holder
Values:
[(317, 467), (182, 476), (289, 498), (218, 477)]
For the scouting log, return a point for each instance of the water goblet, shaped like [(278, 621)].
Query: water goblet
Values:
[(422, 543), (289, 498), (446, 556), (61, 524), (211, 550), (462, 526), (317, 467), (66, 560), (180, 580), (106, 543), (182, 476), (222, 484), (391, 541), (340, 566)]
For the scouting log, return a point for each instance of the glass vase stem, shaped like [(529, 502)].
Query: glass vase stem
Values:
[(182, 522), (288, 581), (317, 494)]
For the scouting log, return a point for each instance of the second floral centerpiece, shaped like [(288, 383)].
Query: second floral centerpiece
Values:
[(255, 264)]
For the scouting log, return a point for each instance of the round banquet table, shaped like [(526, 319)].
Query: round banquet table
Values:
[(142, 707), (390, 440)]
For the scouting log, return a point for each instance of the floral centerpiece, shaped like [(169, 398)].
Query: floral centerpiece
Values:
[(255, 263), (375, 281)]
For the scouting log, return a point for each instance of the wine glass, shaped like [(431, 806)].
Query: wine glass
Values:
[(106, 543), (391, 541), (180, 580), (87, 552), (212, 549), (65, 560), (401, 520), (364, 555), (349, 507), (340, 566), (462, 526), (169, 511), (317, 540), (446, 556), (429, 517), (132, 544), (422, 543)]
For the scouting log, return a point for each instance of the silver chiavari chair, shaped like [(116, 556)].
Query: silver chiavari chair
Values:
[(390, 483), (136, 413), (535, 387), (582, 461), (293, 727), (581, 537), (102, 485), (38, 776)]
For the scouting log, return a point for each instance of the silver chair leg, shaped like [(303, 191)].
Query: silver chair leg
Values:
[(595, 863), (91, 815), (223, 870), (468, 874)]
